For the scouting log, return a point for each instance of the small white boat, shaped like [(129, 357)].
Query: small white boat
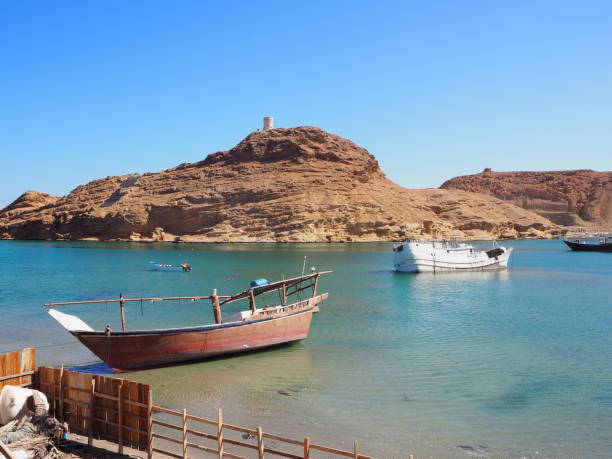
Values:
[(184, 267), (436, 256)]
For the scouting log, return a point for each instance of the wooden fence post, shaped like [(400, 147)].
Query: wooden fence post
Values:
[(91, 411), (61, 394), (120, 418), (306, 448), (150, 426), (260, 443), (184, 433), (355, 448), (220, 432)]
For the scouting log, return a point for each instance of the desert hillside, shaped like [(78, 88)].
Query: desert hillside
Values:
[(299, 184), (579, 198)]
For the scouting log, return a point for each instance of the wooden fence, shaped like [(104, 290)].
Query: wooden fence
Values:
[(17, 368), (99, 407), (229, 441)]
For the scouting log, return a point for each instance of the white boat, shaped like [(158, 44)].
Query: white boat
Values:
[(184, 267), (436, 256)]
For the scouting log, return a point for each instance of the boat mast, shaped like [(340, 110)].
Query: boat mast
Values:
[(122, 307), (252, 301), (216, 307)]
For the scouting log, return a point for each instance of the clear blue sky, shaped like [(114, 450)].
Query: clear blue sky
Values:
[(433, 89)]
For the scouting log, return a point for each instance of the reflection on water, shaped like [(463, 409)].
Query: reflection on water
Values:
[(481, 364)]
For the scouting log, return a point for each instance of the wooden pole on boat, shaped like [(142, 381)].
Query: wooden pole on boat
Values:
[(216, 307), (314, 285), (252, 301), (122, 306), (284, 294)]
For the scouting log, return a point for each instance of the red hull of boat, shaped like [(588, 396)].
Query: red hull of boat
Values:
[(125, 351)]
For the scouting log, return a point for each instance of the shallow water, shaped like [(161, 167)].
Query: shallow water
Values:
[(485, 364)]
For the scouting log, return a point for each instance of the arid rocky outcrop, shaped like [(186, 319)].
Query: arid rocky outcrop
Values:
[(571, 198), (299, 184)]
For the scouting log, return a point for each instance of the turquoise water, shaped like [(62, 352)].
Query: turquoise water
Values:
[(495, 364)]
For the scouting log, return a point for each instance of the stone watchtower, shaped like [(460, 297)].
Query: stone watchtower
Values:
[(268, 123)]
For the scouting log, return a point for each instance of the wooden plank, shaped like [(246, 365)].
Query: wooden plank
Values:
[(279, 438), (237, 428), (60, 394), (128, 300), (150, 424), (120, 417), (167, 453), (92, 406), (167, 425), (225, 440), (159, 409), (28, 363), (131, 393), (9, 365), (281, 453), (100, 420), (202, 434), (17, 376), (212, 423), (339, 452), (204, 448), (166, 438)]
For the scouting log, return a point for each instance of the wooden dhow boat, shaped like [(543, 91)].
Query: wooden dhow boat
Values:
[(589, 242), (255, 328)]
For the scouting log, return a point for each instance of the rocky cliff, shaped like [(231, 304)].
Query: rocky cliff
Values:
[(571, 198), (299, 184)]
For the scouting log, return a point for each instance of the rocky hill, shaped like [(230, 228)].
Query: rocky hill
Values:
[(299, 184), (571, 198)]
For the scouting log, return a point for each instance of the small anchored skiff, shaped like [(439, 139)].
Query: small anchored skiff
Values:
[(255, 328), (183, 267), (436, 256)]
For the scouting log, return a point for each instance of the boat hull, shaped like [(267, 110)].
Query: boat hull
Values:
[(168, 268), (586, 247), (421, 258), (126, 351)]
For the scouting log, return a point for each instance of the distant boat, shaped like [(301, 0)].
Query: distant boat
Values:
[(183, 267), (435, 256), (255, 328), (596, 242)]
